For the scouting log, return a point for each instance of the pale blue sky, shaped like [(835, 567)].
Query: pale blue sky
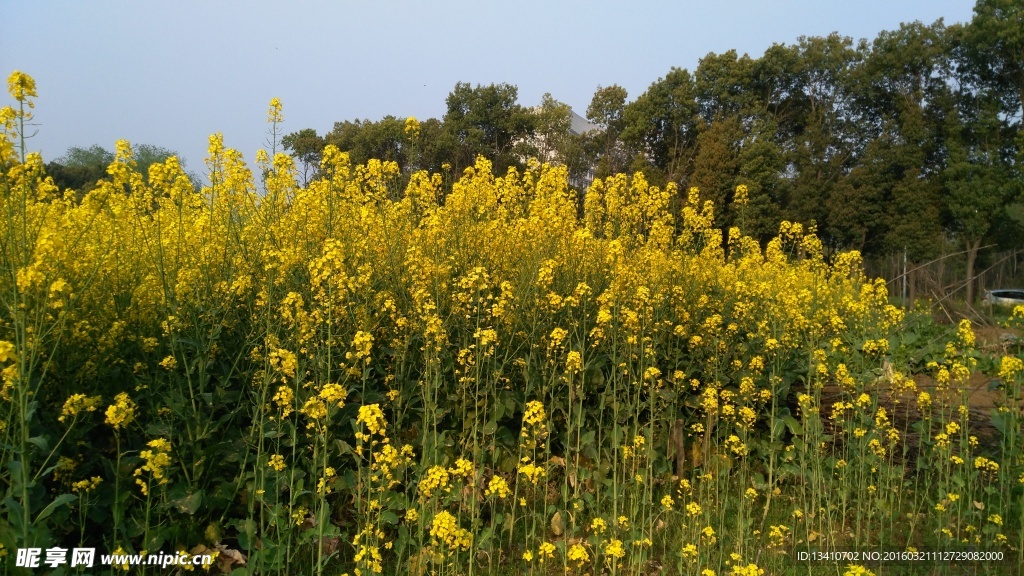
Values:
[(171, 73)]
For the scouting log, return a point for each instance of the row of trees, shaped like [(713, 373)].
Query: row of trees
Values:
[(481, 120), (900, 144), (81, 169)]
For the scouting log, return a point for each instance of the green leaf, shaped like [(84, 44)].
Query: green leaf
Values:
[(999, 422), (490, 427), (485, 537), (15, 466), (40, 442), (777, 426), (793, 425), (159, 429), (189, 503), (246, 531), (344, 447), (14, 513), (52, 506)]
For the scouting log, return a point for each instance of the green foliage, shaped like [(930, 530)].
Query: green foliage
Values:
[(899, 143), (488, 121), (384, 139), (551, 129), (661, 124), (306, 147), (995, 43), (607, 109), (81, 169)]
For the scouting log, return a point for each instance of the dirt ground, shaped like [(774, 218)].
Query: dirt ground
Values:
[(997, 342), (982, 396)]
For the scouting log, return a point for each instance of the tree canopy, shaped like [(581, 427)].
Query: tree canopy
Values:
[(896, 144), (81, 169)]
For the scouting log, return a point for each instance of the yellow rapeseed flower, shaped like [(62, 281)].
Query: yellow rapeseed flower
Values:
[(121, 413), (578, 553), (21, 86), (285, 398), (435, 479), (573, 362), (274, 113), (445, 531), (277, 462), (1010, 367), (546, 550), (156, 462), (463, 469), (740, 197), (7, 352), (362, 345), (333, 394), (532, 472), (371, 416), (87, 486), (497, 486), (614, 549), (314, 409), (77, 403), (412, 127)]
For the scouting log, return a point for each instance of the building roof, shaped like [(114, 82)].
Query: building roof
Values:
[(580, 125)]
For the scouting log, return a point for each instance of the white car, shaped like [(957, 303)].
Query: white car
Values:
[(1012, 297)]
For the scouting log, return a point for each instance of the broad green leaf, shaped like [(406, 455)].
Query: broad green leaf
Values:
[(52, 506)]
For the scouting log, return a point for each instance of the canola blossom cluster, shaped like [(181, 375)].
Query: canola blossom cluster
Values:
[(382, 371)]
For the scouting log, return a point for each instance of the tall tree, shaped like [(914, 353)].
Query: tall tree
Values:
[(607, 110), (996, 43), (982, 173), (896, 87), (435, 147), (823, 139), (551, 129), (308, 148), (716, 164), (81, 169), (365, 139), (662, 124), (761, 160), (722, 84), (488, 121)]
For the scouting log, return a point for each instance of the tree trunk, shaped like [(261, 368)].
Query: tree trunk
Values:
[(972, 257)]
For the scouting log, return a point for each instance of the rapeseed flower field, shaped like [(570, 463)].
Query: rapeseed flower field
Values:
[(470, 373)]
